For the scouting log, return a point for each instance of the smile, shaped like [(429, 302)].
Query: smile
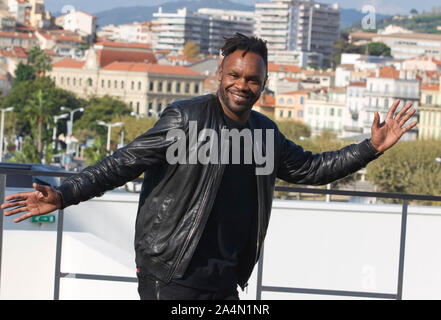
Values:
[(238, 97)]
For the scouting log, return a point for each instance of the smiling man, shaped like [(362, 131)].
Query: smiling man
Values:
[(200, 226)]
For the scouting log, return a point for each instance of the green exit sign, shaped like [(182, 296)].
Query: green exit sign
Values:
[(44, 219)]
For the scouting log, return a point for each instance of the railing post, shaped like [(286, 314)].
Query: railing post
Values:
[(2, 198), (57, 275), (402, 249), (259, 276)]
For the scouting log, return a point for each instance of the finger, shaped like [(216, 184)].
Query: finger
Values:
[(403, 111), (17, 196), (23, 217), (13, 204), (376, 122), (407, 117), (41, 188), (392, 109), (410, 126), (15, 211)]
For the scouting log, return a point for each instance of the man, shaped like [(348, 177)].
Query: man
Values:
[(200, 226)]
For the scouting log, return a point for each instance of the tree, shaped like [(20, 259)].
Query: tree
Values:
[(133, 127), (294, 130), (191, 50), (36, 112), (40, 61), (23, 72), (344, 46), (378, 49), (409, 167)]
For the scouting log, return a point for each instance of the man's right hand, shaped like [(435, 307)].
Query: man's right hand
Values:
[(39, 202)]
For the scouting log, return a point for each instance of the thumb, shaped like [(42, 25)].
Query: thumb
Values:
[(41, 188)]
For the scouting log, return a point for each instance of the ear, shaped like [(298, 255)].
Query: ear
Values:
[(219, 73)]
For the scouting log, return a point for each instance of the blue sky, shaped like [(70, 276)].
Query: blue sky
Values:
[(383, 6)]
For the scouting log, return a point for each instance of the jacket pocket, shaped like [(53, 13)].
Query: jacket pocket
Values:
[(162, 214)]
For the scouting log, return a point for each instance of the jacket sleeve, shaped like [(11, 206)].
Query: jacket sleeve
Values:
[(303, 167), (125, 164)]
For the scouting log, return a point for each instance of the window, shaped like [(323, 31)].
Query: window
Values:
[(151, 85), (122, 84), (109, 84), (139, 85), (160, 86), (137, 108), (196, 88), (289, 101), (386, 103), (133, 85), (340, 112), (68, 81), (62, 80), (289, 114), (178, 87), (428, 99), (116, 84), (281, 101), (169, 86), (159, 107), (90, 82), (300, 114), (187, 88), (331, 112), (281, 114), (102, 83)]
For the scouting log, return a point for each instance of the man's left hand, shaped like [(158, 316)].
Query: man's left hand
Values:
[(384, 135)]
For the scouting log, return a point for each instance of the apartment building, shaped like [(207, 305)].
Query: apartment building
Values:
[(409, 45), (325, 111), (25, 40), (291, 105), (355, 114), (430, 122), (206, 30), (387, 85), (129, 76), (80, 22), (298, 26)]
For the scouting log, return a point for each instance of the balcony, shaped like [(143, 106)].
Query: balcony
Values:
[(346, 247)]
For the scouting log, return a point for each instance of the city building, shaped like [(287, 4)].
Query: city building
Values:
[(129, 76), (324, 110), (63, 43), (291, 105), (80, 22), (409, 45), (298, 26), (355, 115), (386, 86), (206, 30), (430, 122), (25, 40)]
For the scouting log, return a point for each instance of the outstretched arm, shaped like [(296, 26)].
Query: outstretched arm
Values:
[(41, 201)]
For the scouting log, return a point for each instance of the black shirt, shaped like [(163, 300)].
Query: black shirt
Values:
[(226, 235)]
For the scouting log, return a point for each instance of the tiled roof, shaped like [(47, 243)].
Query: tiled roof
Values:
[(273, 67), (123, 45), (266, 100), (107, 56), (69, 63), (427, 86), (357, 84), (149, 68), (389, 72)]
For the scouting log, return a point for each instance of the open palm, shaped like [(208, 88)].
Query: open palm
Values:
[(384, 135)]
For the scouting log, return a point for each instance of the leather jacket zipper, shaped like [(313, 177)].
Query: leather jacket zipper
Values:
[(157, 289), (198, 218)]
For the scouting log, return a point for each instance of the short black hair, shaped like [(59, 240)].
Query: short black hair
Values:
[(242, 42)]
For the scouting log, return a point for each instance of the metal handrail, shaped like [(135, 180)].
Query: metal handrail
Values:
[(260, 287)]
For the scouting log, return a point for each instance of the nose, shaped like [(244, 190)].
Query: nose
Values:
[(241, 84)]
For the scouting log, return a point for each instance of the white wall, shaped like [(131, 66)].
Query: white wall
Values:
[(316, 245)]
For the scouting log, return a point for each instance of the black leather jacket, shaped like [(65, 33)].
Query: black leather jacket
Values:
[(175, 200)]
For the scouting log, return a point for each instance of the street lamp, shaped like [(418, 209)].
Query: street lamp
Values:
[(54, 136), (109, 129), (70, 124), (1, 129)]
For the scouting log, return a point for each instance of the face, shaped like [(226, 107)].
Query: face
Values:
[(242, 80)]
